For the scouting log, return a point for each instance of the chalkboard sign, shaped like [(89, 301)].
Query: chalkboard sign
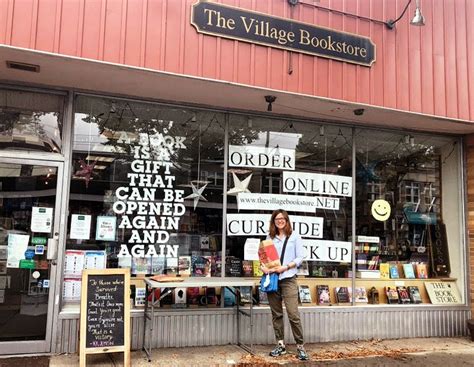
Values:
[(105, 313)]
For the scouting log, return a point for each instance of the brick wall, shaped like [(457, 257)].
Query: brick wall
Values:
[(470, 215)]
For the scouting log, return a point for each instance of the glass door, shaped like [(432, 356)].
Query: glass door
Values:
[(30, 194)]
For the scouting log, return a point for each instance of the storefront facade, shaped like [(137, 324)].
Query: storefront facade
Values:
[(142, 135)]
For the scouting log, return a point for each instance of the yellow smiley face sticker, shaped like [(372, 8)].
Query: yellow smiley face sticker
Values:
[(381, 210)]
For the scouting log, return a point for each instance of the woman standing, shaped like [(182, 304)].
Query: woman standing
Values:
[(281, 232)]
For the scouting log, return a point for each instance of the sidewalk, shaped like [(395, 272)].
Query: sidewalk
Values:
[(420, 352)]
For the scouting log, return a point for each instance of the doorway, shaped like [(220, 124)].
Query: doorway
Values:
[(30, 194)]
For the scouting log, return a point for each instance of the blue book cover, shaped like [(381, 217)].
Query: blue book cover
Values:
[(409, 271), (394, 272)]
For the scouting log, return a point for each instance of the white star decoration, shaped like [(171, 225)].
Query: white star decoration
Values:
[(239, 186), (196, 195)]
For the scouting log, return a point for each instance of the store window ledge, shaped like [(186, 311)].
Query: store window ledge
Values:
[(72, 311)]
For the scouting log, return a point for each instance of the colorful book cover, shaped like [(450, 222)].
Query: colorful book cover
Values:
[(303, 269), (414, 293), (394, 271), (201, 266), (247, 268), (211, 296), (408, 271), (184, 265), (158, 264), (392, 294), (245, 295), (422, 271), (141, 265), (229, 297), (343, 295), (268, 254), (257, 272), (171, 266), (403, 295), (324, 297), (360, 295), (193, 295), (305, 294), (384, 271), (262, 297)]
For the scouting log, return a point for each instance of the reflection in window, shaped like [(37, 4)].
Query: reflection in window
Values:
[(30, 121), (264, 156), (158, 171), (405, 177)]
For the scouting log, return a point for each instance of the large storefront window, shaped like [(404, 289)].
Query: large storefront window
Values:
[(148, 193), (302, 168), (408, 216), (30, 121)]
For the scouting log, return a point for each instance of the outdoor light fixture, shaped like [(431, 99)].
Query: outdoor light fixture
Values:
[(270, 100), (249, 123), (359, 111), (417, 20)]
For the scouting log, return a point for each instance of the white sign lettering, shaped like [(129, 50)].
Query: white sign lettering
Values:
[(331, 251), (261, 157), (251, 201), (258, 225), (317, 183), (150, 206)]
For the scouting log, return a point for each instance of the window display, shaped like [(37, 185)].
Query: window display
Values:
[(147, 193), (301, 168), (407, 197), (146, 188)]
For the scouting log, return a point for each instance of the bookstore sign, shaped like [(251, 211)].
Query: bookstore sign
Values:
[(248, 26)]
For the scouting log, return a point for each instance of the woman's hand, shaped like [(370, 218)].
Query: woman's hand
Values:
[(280, 269)]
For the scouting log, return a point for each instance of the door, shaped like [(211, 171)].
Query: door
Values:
[(30, 194)]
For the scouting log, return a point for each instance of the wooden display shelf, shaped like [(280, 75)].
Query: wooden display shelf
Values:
[(379, 284)]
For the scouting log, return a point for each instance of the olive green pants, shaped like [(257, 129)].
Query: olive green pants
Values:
[(288, 293)]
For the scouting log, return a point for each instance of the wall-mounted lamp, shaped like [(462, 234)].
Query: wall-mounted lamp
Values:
[(249, 123), (359, 111), (417, 20), (321, 130), (270, 100)]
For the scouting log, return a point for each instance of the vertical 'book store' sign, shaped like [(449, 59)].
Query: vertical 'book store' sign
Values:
[(105, 313)]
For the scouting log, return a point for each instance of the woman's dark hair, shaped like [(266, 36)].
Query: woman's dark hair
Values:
[(273, 228)]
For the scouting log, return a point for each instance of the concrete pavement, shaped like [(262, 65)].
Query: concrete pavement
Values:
[(432, 352)]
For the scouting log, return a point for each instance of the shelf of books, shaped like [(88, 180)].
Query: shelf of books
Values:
[(337, 292)]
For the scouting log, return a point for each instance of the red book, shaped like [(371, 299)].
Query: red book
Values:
[(268, 254)]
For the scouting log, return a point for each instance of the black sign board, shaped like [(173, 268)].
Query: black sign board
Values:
[(248, 26), (105, 312), (439, 251)]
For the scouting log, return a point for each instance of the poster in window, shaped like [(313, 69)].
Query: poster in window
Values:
[(41, 219), (105, 230), (80, 227), (17, 245)]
